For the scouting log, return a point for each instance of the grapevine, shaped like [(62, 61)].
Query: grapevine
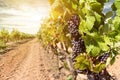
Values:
[(78, 45), (91, 34), (15, 35)]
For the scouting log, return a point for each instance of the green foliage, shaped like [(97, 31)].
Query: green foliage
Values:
[(2, 45), (15, 35), (53, 32), (99, 67), (82, 62), (100, 31), (4, 35)]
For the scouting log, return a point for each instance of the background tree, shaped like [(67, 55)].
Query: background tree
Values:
[(4, 35)]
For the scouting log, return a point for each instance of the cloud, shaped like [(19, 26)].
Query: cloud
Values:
[(19, 3)]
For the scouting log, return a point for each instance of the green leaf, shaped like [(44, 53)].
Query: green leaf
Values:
[(109, 14), (82, 62), (114, 7), (89, 48), (117, 4), (107, 40), (112, 61), (77, 65), (103, 46), (86, 62), (83, 67), (98, 19), (74, 6), (104, 29), (118, 12), (82, 27), (117, 0), (117, 37), (113, 34), (95, 51), (115, 52), (90, 22), (96, 6), (85, 8), (80, 58), (116, 23), (99, 67)]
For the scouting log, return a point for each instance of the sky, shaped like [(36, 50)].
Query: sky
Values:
[(107, 6), (24, 15)]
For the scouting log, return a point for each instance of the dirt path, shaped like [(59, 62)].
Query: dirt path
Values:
[(28, 62)]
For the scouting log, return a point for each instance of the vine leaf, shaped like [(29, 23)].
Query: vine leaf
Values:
[(112, 61), (95, 51), (96, 6), (74, 6), (117, 4), (82, 62), (89, 48), (109, 14), (113, 34), (90, 22), (103, 46), (116, 23), (99, 67), (118, 12), (117, 37), (98, 19), (107, 41)]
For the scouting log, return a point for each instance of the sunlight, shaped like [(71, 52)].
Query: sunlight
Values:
[(27, 18)]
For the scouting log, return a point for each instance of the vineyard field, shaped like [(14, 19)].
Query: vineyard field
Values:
[(76, 40)]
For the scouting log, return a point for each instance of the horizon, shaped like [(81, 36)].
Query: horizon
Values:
[(23, 15)]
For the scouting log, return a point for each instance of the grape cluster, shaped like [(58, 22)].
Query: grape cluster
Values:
[(75, 20), (73, 25), (77, 42), (104, 57), (78, 46)]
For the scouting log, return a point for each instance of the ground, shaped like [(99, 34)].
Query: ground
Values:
[(114, 70), (30, 61)]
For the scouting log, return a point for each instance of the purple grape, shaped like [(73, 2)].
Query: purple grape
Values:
[(73, 25), (104, 57), (78, 46)]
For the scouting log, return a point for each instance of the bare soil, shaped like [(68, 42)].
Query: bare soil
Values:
[(30, 61), (114, 70)]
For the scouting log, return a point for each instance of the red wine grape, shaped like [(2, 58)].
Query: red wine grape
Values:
[(104, 57), (78, 45)]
